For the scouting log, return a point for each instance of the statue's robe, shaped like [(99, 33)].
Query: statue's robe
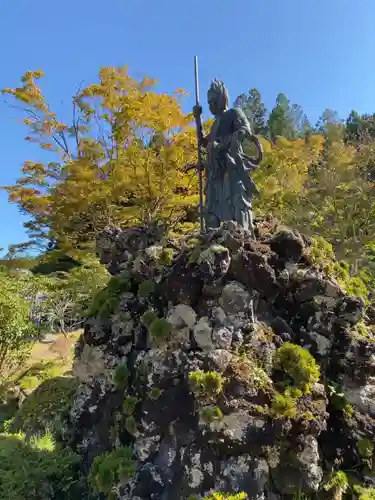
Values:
[(229, 188)]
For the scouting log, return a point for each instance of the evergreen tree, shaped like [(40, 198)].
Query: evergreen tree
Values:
[(254, 109), (279, 122)]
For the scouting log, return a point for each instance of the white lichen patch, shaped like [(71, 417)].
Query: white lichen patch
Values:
[(182, 316), (194, 471), (91, 364), (144, 446), (203, 334)]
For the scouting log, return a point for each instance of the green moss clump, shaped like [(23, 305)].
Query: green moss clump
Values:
[(148, 318), (365, 448), (283, 406), (146, 288), (362, 331), (46, 407), (210, 414), (337, 482), (337, 399), (110, 469), (37, 469), (206, 385), (245, 368), (160, 330), (131, 425), (154, 394), (364, 493), (298, 364), (226, 496), (208, 255), (106, 301), (130, 404), (166, 256), (121, 376), (192, 242), (194, 255)]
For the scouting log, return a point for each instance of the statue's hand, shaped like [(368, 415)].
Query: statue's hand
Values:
[(197, 111), (212, 147)]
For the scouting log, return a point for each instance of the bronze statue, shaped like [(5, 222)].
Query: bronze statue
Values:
[(229, 189)]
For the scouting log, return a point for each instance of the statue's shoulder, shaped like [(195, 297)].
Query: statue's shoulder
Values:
[(237, 118), (236, 114)]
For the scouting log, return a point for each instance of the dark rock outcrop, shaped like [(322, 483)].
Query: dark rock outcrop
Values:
[(216, 366)]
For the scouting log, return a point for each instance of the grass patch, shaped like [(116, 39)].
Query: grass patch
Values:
[(37, 469)]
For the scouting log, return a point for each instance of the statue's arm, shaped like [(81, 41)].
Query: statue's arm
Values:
[(240, 129), (197, 112), (241, 124)]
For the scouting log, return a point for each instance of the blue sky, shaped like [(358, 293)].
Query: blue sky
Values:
[(320, 53)]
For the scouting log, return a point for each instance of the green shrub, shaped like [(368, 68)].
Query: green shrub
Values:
[(206, 385), (110, 469), (298, 364), (47, 406), (322, 254), (15, 327), (37, 469)]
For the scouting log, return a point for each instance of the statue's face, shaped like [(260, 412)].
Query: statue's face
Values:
[(214, 103)]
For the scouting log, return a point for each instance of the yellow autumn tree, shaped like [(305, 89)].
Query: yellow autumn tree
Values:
[(342, 195), (120, 161), (283, 177)]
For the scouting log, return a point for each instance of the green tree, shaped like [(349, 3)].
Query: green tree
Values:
[(288, 120), (279, 122), (255, 110), (360, 128), (15, 326)]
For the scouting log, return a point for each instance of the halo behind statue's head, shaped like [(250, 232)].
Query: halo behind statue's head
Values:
[(218, 90)]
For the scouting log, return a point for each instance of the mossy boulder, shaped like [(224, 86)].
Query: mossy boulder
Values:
[(217, 363), (46, 408)]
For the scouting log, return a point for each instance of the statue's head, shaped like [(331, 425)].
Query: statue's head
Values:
[(217, 97)]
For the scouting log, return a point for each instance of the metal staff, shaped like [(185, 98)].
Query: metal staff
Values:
[(199, 134)]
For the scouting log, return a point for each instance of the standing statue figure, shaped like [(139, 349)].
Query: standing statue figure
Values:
[(229, 189)]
